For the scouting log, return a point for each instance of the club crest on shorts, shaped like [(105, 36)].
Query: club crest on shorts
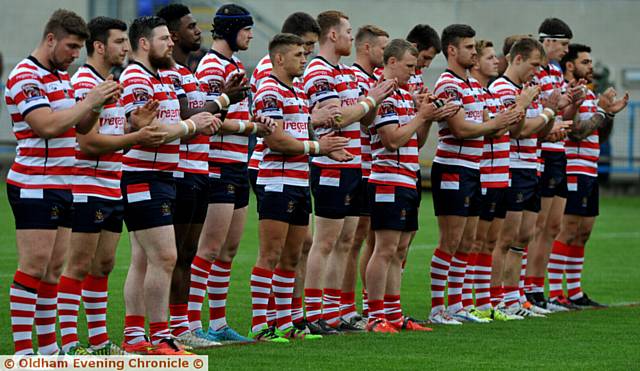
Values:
[(403, 214), (552, 183), (585, 201), (231, 189), (347, 200), (290, 207), (99, 217), (55, 213), (165, 209), (467, 201), (519, 197), (492, 208)]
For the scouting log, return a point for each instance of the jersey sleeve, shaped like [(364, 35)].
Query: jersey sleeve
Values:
[(27, 91), (269, 103), (81, 88), (387, 114), (211, 75), (319, 85), (506, 95), (137, 91), (449, 89)]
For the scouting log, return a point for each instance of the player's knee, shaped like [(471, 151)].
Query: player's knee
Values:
[(165, 259), (104, 267)]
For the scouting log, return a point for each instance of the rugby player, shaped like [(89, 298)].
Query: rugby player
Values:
[(455, 173), (46, 117), (334, 185), (592, 126)]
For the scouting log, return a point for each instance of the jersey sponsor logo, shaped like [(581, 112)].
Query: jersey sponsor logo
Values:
[(118, 121), (296, 126), (321, 85), (32, 92), (171, 114), (140, 95)]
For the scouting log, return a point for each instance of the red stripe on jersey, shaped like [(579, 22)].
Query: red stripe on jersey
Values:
[(494, 165), (583, 156), (548, 79)]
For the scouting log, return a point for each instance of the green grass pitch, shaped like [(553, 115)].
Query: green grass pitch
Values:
[(591, 339)]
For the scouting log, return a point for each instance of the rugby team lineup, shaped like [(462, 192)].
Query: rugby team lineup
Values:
[(167, 150)]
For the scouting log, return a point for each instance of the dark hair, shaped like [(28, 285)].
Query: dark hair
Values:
[(143, 27), (281, 40), (99, 31), (572, 54), (329, 19), (452, 34), (524, 47), (425, 38), (554, 28), (172, 14), (397, 48), (368, 32), (300, 23), (65, 22), (510, 40)]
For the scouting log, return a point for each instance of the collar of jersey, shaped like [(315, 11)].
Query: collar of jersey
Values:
[(221, 56), (37, 63), (511, 82), (157, 76), (337, 67), (95, 72), (356, 65)]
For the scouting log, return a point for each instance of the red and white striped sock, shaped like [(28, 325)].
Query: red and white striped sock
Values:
[(365, 304), (313, 304), (331, 306), (556, 267), (159, 331), (22, 297), (197, 288), (376, 310), (283, 283), (46, 318), (260, 291), (95, 299), (393, 309), (440, 262), (271, 308), (523, 273), (575, 262), (496, 295), (482, 282), (469, 279), (297, 310), (348, 305), (512, 296), (134, 329), (455, 280), (178, 319), (218, 288), (68, 305), (537, 284)]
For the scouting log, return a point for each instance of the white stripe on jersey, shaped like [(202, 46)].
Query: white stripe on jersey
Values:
[(365, 82), (583, 156), (548, 79), (494, 166)]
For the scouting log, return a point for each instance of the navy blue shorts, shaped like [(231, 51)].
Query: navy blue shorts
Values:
[(192, 198), (98, 214), (362, 198), (583, 196), (394, 208), (493, 203), (523, 194), (149, 199), (40, 208), (232, 187), (455, 190), (553, 181), (335, 191), (285, 203), (258, 191)]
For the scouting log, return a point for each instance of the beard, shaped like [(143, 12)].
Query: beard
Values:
[(160, 62)]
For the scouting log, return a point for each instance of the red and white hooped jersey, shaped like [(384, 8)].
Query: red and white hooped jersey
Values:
[(324, 81), (141, 85), (400, 167), (289, 104), (365, 82), (494, 165), (194, 153), (39, 163), (550, 78), (583, 156), (469, 94), (523, 153), (261, 72), (415, 83), (98, 176), (213, 72)]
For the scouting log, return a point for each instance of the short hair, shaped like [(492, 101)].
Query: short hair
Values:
[(510, 40), (172, 14), (397, 48), (452, 34), (143, 27), (482, 44), (368, 32), (65, 22), (425, 38), (300, 23), (525, 47), (282, 40), (554, 28), (572, 54), (329, 19), (99, 28)]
